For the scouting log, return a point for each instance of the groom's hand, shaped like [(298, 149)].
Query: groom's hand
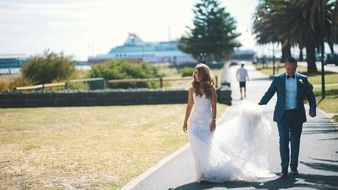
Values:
[(312, 114)]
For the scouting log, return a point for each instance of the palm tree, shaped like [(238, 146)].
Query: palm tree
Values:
[(310, 28), (333, 29), (270, 25), (297, 23)]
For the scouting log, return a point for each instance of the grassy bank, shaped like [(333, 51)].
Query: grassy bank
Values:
[(330, 103), (85, 147), (172, 72), (8, 82)]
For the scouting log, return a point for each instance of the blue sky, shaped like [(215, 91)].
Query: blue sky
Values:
[(88, 27)]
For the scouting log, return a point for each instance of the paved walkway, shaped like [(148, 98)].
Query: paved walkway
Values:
[(318, 153)]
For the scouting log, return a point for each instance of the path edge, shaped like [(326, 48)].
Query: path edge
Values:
[(135, 181)]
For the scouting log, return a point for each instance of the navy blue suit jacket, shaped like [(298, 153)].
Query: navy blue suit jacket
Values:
[(303, 90)]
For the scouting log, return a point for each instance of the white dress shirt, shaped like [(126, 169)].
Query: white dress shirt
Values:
[(290, 93)]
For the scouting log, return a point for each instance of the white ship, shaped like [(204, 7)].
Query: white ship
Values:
[(135, 49)]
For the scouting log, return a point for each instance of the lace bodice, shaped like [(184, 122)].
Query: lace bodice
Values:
[(202, 109)]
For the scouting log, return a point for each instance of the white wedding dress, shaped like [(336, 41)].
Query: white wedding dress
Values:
[(235, 150)]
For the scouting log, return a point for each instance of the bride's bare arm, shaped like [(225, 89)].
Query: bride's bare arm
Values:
[(213, 108), (188, 109)]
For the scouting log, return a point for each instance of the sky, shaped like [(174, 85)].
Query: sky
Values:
[(89, 27)]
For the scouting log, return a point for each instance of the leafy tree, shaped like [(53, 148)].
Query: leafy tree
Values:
[(306, 29), (122, 69), (48, 67), (186, 71), (297, 23), (333, 30), (270, 24), (213, 36)]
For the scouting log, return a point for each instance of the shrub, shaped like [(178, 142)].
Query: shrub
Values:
[(4, 86), (8, 83), (78, 86), (20, 81), (122, 69), (48, 67), (186, 71)]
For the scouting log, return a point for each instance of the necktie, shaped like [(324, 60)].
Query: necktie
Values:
[(293, 76)]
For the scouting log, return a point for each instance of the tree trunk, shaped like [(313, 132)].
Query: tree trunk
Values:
[(311, 58), (333, 30), (301, 56), (331, 47), (286, 52)]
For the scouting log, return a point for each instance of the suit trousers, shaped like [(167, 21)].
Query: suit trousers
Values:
[(289, 129)]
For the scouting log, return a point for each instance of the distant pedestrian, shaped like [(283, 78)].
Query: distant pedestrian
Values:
[(242, 76)]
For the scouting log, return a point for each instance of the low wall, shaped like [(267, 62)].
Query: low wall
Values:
[(103, 98)]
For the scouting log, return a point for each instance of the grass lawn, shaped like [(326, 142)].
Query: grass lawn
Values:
[(85, 147), (330, 103)]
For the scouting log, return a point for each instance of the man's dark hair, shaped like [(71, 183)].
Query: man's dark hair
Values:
[(291, 60)]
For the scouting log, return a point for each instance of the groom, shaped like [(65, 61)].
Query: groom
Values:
[(291, 88)]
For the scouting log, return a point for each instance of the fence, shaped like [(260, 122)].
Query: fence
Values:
[(106, 96), (102, 83), (160, 80), (40, 86), (94, 83)]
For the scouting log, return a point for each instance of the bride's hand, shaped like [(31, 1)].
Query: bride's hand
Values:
[(212, 125), (185, 127)]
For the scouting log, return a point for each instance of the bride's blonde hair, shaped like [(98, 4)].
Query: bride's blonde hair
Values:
[(206, 80)]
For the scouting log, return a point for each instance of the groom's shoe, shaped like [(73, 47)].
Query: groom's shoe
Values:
[(294, 172), (284, 174)]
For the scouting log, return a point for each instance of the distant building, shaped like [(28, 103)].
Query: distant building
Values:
[(134, 49), (12, 60)]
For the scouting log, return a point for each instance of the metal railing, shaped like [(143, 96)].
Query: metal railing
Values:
[(51, 85), (159, 79), (115, 81), (41, 86)]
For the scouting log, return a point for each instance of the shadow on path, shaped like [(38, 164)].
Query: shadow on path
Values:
[(320, 126), (322, 166), (325, 160), (301, 181)]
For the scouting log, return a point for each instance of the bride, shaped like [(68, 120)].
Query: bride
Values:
[(233, 150)]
